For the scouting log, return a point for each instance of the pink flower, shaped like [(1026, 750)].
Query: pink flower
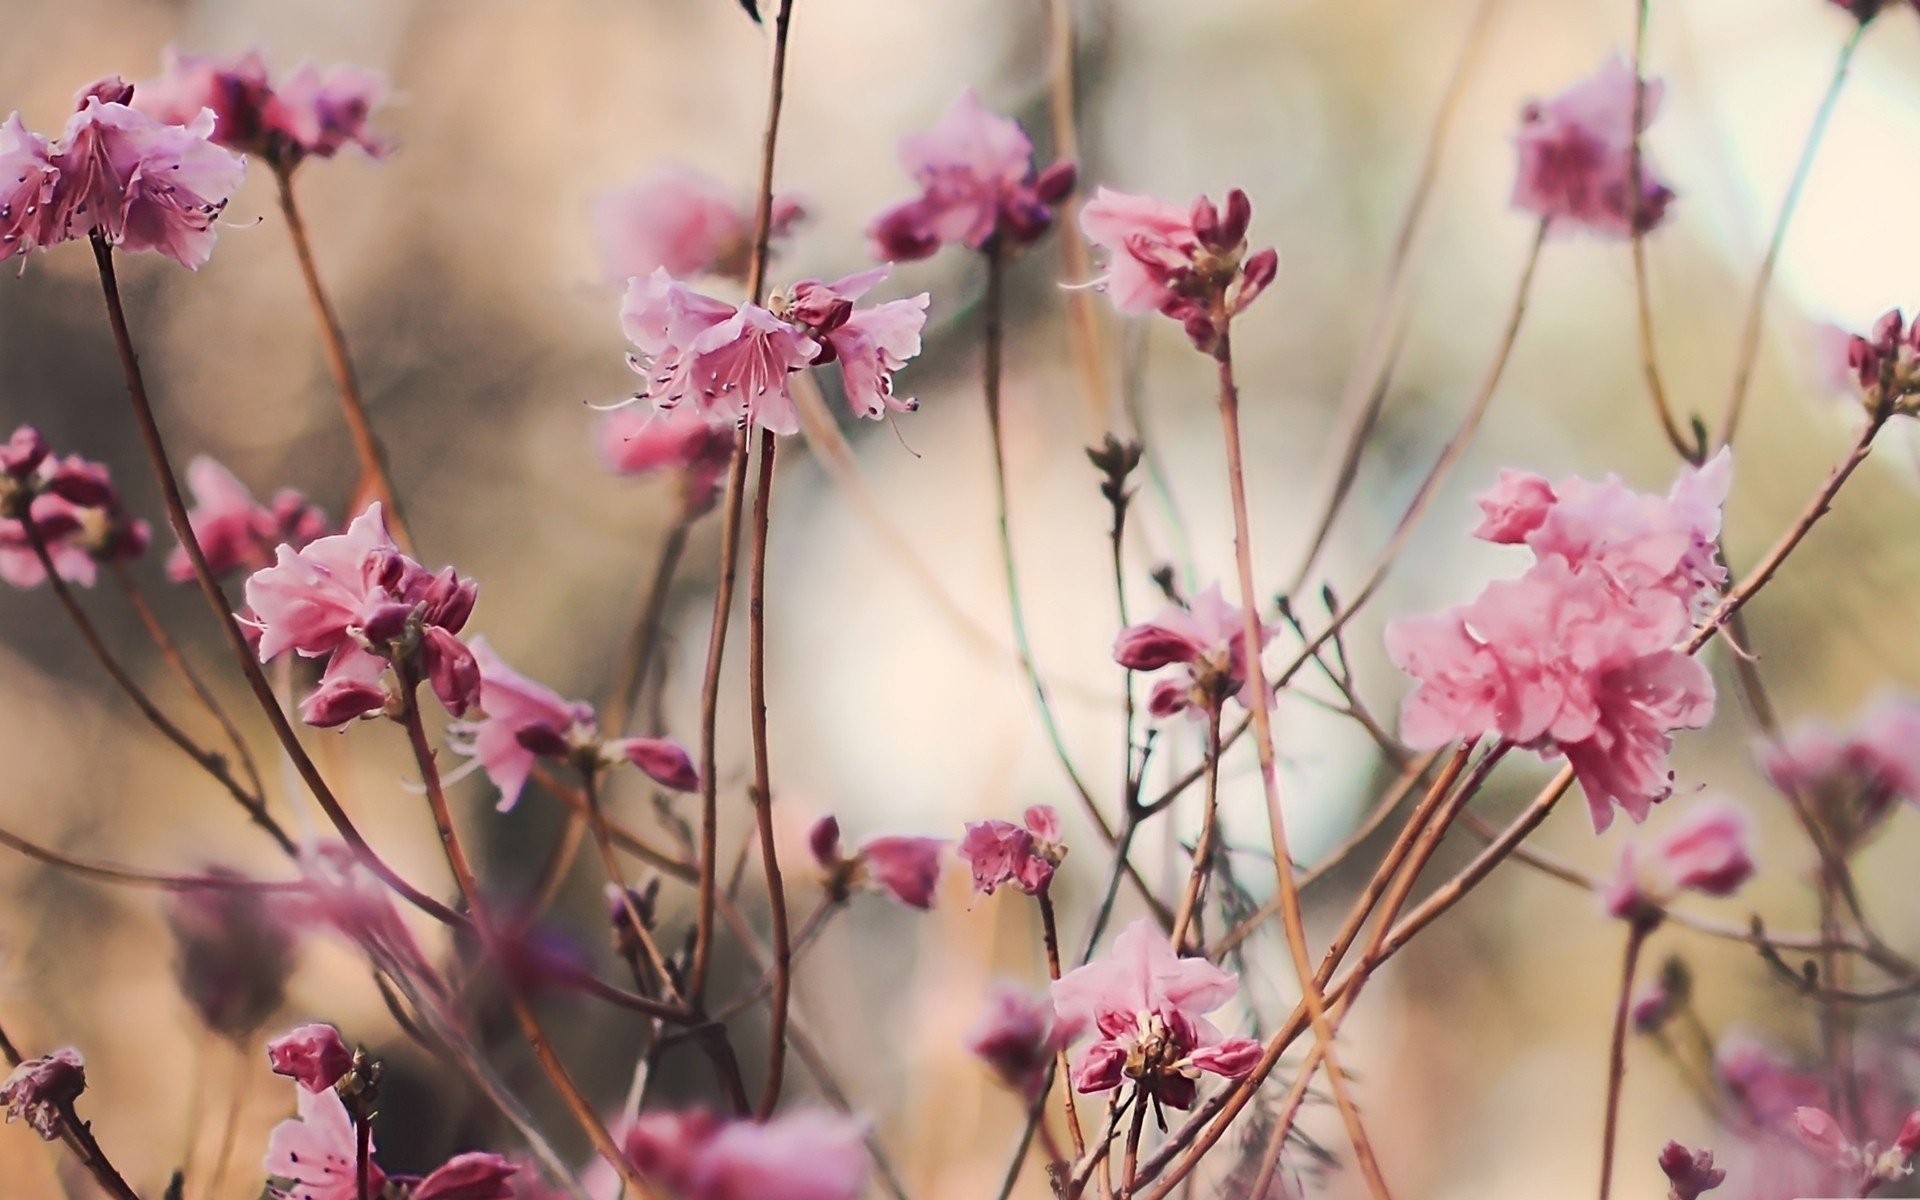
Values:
[(684, 222), (354, 598), (1556, 662), (1001, 852), (234, 531), (1514, 507), (729, 364), (316, 1154), (233, 953), (1018, 1036), (1207, 639), (870, 343), (344, 896), (1707, 851), (71, 504), (906, 868), (1853, 777), (471, 1176), (1691, 1172), (314, 1056), (1149, 1007), (795, 1156), (1820, 1132), (1575, 155), (41, 1091), (636, 440), (1766, 1089), (27, 181), (1190, 264), (310, 112), (138, 183), (977, 184)]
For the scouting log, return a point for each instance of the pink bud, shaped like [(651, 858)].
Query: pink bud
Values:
[(41, 1091), (1057, 182), (1235, 220), (385, 620), (1690, 1171), (338, 701), (1908, 1141), (1258, 271), (661, 760), (1151, 646), (542, 739), (78, 481), (1205, 219), (314, 1056), (474, 1176), (23, 452), (908, 868), (111, 90), (1231, 1058), (1887, 331), (824, 841), (451, 669), (1820, 1131)]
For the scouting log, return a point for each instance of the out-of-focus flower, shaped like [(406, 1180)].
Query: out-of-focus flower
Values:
[(315, 1156), (234, 530), (1001, 852), (906, 868), (137, 183), (41, 1091), (684, 222), (345, 897), (1709, 850), (1207, 640), (1851, 779), (696, 1156), (1666, 994), (71, 504), (1018, 1036), (1189, 264), (1882, 365), (1691, 1172), (1576, 152), (680, 442), (523, 721), (314, 1056), (1763, 1087), (313, 111), (357, 600), (977, 187), (1149, 1006), (476, 1175), (233, 952), (731, 363), (27, 179)]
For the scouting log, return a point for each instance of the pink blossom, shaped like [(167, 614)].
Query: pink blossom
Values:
[(795, 1156), (662, 760), (74, 508), (1554, 662), (1820, 1132), (1189, 264), (1575, 156), (870, 343), (521, 721), (470, 1176), (234, 531), (977, 185), (345, 896), (1764, 1087), (316, 1154), (906, 868), (1001, 852), (1854, 776), (138, 183), (680, 442), (1207, 640), (728, 364), (1514, 507), (311, 112), (1706, 851), (314, 1056), (1691, 1172), (27, 181), (355, 599), (1149, 1007), (41, 1091), (1018, 1036), (684, 222)]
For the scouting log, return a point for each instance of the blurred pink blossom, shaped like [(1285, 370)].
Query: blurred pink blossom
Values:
[(1708, 850), (313, 111), (1206, 639), (684, 222), (1001, 852), (1575, 152), (235, 532)]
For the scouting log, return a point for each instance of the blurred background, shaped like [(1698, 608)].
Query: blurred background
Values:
[(467, 273)]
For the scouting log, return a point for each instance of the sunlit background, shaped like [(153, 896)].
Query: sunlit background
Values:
[(484, 329)]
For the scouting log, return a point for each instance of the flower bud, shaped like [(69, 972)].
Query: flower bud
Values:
[(1057, 182), (314, 1056), (23, 453), (41, 1091)]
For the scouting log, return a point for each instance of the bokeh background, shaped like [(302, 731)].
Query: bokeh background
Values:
[(469, 280)]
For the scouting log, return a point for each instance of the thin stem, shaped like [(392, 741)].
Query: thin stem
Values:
[(175, 659), (1203, 849), (1083, 315), (376, 481), (1753, 324), (643, 642), (1050, 934), (213, 764), (1617, 1057), (362, 1154), (1130, 1172), (1642, 285), (763, 783), (597, 822), (577, 1103), (1290, 912)]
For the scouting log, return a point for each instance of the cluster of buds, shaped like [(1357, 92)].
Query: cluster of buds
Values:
[(41, 1091), (1690, 1172), (69, 504), (1886, 365), (906, 868), (1027, 854), (1190, 264)]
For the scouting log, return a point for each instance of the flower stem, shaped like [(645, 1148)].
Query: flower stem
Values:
[(1684, 446), (763, 783), (376, 481), (643, 642), (1617, 1057), (1203, 849)]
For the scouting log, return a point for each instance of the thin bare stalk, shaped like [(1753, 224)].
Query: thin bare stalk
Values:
[(643, 641), (1753, 324), (376, 481), (1617, 1057), (763, 784), (1203, 850), (1683, 445)]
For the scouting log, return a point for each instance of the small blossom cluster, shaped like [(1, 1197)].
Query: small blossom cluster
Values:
[(685, 223), (1707, 851), (1885, 364), (906, 868), (1205, 641), (236, 532), (1850, 779), (1577, 656), (313, 112), (1576, 156), (69, 505), (117, 175), (1189, 263)]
